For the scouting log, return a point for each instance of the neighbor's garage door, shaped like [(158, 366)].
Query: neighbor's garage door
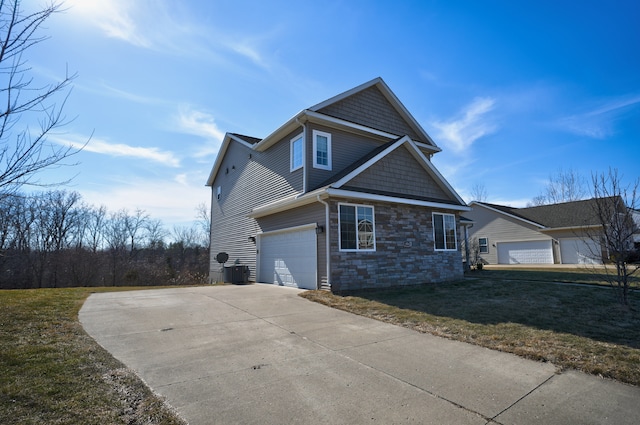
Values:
[(580, 251), (531, 252), (288, 258)]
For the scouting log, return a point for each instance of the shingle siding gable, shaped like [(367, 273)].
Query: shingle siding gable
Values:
[(370, 108), (400, 173)]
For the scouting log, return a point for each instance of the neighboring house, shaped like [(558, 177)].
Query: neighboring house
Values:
[(565, 233), (341, 196)]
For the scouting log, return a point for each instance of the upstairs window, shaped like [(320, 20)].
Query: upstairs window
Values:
[(321, 150), (483, 245), (297, 153), (357, 228), (444, 232), (218, 192)]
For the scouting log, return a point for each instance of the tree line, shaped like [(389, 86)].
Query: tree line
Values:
[(54, 239)]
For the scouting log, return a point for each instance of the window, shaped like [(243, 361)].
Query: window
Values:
[(218, 192), (321, 150), (357, 228), (297, 153), (483, 244), (444, 232)]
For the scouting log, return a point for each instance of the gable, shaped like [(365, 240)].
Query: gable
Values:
[(371, 108), (399, 173)]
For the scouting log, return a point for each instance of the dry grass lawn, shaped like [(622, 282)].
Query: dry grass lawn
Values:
[(579, 327), (52, 372)]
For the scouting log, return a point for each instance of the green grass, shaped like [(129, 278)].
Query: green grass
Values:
[(577, 327), (51, 371)]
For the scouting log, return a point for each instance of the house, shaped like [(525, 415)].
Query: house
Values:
[(342, 196), (564, 233)]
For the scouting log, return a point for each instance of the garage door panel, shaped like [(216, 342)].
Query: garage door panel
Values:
[(579, 251), (289, 259), (525, 252)]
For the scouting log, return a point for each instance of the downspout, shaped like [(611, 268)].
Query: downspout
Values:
[(327, 240)]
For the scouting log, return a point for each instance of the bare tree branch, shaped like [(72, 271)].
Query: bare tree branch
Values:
[(25, 152)]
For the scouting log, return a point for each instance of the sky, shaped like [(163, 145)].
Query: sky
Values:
[(512, 91)]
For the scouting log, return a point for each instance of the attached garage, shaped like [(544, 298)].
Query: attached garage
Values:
[(529, 252), (288, 257), (580, 251)]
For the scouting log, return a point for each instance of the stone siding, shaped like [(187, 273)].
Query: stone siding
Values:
[(404, 255)]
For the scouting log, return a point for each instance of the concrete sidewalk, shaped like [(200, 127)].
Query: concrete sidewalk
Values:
[(259, 354)]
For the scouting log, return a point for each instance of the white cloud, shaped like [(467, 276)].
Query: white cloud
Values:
[(113, 17), (172, 200), (598, 123), (119, 149), (469, 125), (201, 124)]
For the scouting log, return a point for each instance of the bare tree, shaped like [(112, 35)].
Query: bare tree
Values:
[(23, 152), (615, 207), (565, 186), (203, 218), (479, 193)]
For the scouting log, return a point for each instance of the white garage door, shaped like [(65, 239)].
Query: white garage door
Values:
[(288, 258), (579, 251), (531, 252)]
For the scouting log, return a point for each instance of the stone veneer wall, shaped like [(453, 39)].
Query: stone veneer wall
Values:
[(404, 253)]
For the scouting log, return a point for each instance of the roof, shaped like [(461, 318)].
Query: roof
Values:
[(341, 179), (248, 139), (312, 115), (563, 215)]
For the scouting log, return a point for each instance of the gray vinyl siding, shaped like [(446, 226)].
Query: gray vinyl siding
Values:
[(312, 213), (369, 107), (346, 148), (399, 172), (497, 228), (248, 179)]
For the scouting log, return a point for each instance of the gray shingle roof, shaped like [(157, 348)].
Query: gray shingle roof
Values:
[(566, 214)]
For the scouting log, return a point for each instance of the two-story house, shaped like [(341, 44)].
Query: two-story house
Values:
[(342, 196)]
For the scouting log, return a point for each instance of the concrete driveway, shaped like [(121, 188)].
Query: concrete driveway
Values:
[(260, 354)]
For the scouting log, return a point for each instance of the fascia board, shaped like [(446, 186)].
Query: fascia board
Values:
[(285, 204), (228, 137), (559, 229), (507, 214), (417, 154), (393, 199), (319, 118), (286, 128), (393, 99), (216, 165)]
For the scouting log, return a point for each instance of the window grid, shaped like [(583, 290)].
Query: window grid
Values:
[(321, 150), (357, 228), (444, 232)]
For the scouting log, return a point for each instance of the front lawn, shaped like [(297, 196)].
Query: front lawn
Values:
[(51, 371), (578, 327)]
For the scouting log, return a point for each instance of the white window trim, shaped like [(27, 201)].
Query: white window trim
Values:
[(218, 192), (373, 213), (295, 139), (315, 156), (481, 246), (445, 232)]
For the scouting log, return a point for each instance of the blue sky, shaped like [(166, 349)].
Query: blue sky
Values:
[(512, 91)]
